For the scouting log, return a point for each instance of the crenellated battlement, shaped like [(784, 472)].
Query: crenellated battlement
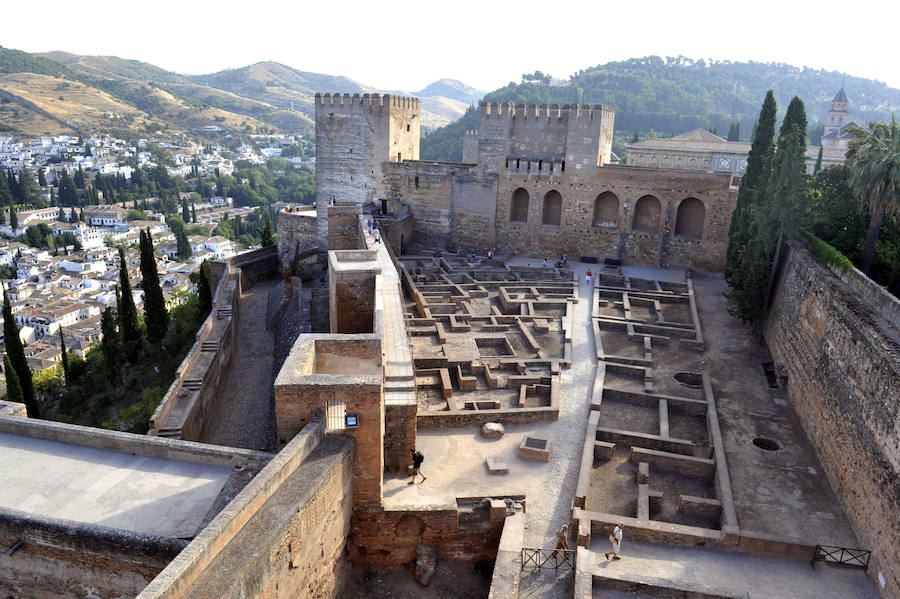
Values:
[(568, 111), (349, 101)]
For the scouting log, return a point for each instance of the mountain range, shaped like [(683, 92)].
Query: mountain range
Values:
[(56, 92)]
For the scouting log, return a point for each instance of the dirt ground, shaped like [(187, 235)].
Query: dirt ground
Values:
[(459, 580)]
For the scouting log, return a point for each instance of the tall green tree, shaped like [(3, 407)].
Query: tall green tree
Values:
[(79, 178), (129, 329), (6, 196), (111, 345), (204, 289), (13, 386), (185, 212), (42, 178), (874, 162), (266, 233), (13, 218), (818, 166), (28, 192), (65, 358), (68, 195), (787, 192), (155, 315), (753, 184), (16, 352)]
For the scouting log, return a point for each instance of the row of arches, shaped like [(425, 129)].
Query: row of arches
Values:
[(689, 218)]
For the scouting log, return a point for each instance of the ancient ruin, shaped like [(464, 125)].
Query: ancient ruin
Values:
[(606, 386)]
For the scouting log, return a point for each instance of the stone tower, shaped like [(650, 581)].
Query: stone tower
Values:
[(354, 136), (839, 115)]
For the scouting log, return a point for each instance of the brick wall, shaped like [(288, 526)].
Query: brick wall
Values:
[(844, 382)]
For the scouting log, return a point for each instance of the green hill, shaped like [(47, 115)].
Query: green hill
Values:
[(674, 95), (16, 61)]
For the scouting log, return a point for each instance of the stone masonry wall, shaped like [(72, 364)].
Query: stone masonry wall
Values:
[(61, 559), (843, 368), (283, 536), (296, 234), (580, 234), (389, 537)]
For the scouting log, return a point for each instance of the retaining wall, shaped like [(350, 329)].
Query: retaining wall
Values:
[(837, 339)]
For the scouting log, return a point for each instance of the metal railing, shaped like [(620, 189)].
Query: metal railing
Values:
[(841, 555), (548, 558)]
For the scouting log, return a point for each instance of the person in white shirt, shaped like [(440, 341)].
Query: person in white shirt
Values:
[(616, 539)]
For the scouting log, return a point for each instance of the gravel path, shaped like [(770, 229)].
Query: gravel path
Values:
[(554, 507), (246, 413)]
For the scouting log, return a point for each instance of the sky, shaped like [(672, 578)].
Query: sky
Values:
[(405, 45)]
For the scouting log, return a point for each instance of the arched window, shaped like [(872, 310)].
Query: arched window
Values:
[(646, 214), (690, 217), (552, 214), (606, 210), (518, 210)]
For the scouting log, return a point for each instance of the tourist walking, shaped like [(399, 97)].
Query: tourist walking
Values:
[(616, 539), (417, 459), (544, 265), (588, 276), (562, 539)]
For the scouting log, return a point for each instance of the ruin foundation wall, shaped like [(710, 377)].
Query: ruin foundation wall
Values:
[(843, 379)]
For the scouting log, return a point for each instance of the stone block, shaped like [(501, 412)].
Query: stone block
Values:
[(492, 430), (534, 448), (643, 474), (497, 510), (496, 466)]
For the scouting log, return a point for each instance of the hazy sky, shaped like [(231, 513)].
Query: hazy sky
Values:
[(405, 44)]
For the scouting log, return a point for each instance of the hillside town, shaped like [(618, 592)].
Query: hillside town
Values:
[(69, 282)]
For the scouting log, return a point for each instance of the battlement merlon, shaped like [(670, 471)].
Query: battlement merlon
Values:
[(570, 111), (348, 101)]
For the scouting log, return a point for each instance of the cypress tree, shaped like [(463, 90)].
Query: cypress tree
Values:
[(193, 213), (818, 166), (65, 358), (128, 320), (28, 193), (6, 196), (79, 178), (267, 236), (204, 290), (110, 345), (13, 387), (185, 213), (183, 244), (753, 184), (42, 178), (13, 218), (787, 189), (16, 353), (155, 314), (13, 185)]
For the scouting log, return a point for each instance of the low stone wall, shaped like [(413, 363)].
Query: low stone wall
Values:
[(143, 445), (508, 565), (460, 418), (61, 559), (185, 408), (842, 360), (282, 536), (383, 537)]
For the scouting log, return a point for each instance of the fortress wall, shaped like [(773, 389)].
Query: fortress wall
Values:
[(843, 366), (61, 559), (450, 203), (185, 408), (297, 234), (577, 234), (282, 536)]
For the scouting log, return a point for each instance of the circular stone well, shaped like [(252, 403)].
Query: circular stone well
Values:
[(767, 444), (689, 379)]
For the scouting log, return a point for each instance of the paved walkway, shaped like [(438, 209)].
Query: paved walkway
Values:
[(753, 576), (246, 413)]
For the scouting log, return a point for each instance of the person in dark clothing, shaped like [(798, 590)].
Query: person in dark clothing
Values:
[(417, 459)]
